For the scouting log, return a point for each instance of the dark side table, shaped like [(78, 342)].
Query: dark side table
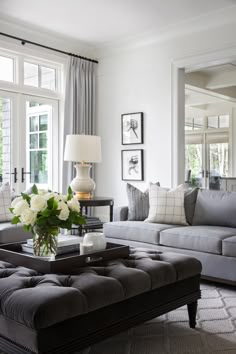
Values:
[(95, 202)]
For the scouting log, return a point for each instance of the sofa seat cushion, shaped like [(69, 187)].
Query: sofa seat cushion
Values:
[(135, 231), (12, 233), (229, 246), (38, 301), (198, 238)]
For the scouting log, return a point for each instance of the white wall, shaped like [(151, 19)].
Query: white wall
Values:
[(139, 79)]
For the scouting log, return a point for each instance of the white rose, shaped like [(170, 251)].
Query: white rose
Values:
[(49, 195), (54, 195), (38, 203), (28, 217), (74, 205), (64, 211), (42, 191), (15, 201), (58, 197), (20, 207), (63, 197)]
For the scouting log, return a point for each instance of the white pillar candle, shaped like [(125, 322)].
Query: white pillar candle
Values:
[(86, 248)]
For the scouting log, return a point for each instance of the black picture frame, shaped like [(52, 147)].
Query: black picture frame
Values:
[(132, 128), (132, 165)]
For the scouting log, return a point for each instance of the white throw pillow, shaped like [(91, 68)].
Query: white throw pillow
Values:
[(166, 207), (5, 202)]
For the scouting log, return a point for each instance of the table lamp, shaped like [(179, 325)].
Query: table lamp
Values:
[(83, 149)]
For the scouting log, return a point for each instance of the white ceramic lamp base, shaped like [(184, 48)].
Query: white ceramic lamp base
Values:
[(83, 185)]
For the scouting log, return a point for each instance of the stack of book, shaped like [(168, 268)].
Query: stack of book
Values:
[(65, 244), (92, 221)]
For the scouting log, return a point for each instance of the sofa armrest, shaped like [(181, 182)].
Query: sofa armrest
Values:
[(120, 214)]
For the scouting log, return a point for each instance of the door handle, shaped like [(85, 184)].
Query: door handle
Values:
[(13, 173), (23, 173)]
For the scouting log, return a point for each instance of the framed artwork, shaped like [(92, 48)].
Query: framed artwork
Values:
[(132, 128), (132, 165)]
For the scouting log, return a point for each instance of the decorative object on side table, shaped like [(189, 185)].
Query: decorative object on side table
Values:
[(43, 213), (83, 149), (132, 128), (132, 165)]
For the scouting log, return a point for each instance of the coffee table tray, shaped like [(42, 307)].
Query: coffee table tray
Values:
[(65, 263)]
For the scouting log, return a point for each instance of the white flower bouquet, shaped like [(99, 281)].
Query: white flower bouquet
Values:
[(43, 213)]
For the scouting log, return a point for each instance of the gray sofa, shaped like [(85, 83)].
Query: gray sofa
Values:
[(210, 235)]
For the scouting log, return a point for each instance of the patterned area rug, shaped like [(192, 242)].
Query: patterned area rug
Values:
[(215, 332)]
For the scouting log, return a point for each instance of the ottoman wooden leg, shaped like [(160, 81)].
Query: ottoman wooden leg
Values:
[(192, 311)]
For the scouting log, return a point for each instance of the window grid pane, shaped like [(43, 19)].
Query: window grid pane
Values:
[(31, 74), (213, 122), (48, 78), (6, 69), (224, 121)]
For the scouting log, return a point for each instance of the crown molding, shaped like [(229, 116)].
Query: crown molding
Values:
[(208, 21)]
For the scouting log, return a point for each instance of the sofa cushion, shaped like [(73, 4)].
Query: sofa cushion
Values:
[(5, 203), (12, 233), (190, 197), (135, 231), (198, 238), (229, 246), (215, 208), (138, 203), (166, 207)]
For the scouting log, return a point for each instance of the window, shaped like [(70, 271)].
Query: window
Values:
[(39, 76), (6, 69), (38, 142), (218, 122), (207, 150), (194, 123), (29, 101)]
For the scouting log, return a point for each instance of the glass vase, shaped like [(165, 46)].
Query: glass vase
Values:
[(45, 241)]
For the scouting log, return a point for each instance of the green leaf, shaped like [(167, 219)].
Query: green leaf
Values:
[(26, 197), (50, 203), (42, 220), (27, 227), (69, 193), (15, 220), (11, 210), (35, 189), (46, 212), (55, 204), (79, 220), (65, 224), (55, 212), (53, 220), (54, 230)]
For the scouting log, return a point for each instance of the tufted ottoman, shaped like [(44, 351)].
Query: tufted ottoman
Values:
[(52, 313)]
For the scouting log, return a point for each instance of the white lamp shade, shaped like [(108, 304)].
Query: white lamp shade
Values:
[(83, 148)]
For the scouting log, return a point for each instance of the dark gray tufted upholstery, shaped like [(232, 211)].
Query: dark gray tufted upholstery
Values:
[(39, 301)]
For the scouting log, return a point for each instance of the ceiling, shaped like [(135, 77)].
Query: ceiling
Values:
[(210, 89), (100, 22)]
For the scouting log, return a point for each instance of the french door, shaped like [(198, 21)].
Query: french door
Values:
[(207, 156), (28, 141)]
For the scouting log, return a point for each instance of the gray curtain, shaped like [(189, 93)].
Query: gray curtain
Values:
[(79, 106)]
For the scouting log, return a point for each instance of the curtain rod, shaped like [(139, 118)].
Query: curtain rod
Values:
[(24, 41)]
